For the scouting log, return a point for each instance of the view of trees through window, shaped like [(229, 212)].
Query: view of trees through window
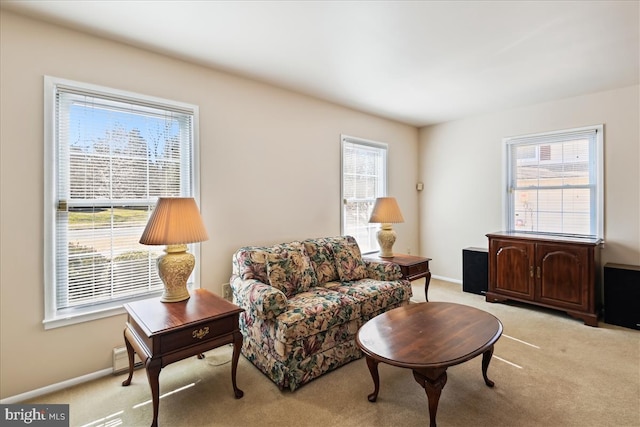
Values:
[(114, 159), (111, 157)]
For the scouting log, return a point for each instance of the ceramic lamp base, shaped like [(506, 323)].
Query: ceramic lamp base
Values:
[(386, 238), (174, 268)]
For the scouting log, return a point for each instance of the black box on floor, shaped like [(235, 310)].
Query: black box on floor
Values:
[(475, 270), (622, 295)]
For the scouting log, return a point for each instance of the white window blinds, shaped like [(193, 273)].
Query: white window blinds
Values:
[(114, 155), (364, 178), (554, 182)]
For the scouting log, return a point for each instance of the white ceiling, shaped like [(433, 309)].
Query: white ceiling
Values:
[(419, 62)]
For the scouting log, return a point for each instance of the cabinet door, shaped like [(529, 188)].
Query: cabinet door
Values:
[(511, 268), (562, 274)]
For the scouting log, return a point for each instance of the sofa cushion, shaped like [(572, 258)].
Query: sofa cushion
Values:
[(374, 296), (321, 256), (290, 271), (317, 310), (348, 261), (250, 262)]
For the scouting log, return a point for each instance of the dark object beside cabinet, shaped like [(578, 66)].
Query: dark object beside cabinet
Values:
[(622, 295), (475, 270)]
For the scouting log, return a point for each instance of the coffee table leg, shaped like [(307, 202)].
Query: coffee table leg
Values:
[(373, 368), (486, 359), (237, 344), (433, 381)]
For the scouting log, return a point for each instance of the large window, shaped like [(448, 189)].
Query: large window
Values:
[(109, 155), (364, 178), (554, 182)]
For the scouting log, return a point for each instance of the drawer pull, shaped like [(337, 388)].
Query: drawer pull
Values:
[(201, 333)]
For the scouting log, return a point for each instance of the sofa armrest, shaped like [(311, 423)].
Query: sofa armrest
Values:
[(258, 299), (382, 270)]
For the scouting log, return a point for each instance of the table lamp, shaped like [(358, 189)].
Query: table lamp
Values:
[(385, 212), (175, 221)]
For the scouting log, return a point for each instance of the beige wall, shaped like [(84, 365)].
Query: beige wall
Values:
[(461, 165), (270, 172)]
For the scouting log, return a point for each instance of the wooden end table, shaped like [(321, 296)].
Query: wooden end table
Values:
[(163, 333), (427, 338), (412, 267)]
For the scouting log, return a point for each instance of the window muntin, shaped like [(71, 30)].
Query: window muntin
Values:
[(364, 178), (554, 182), (109, 156)]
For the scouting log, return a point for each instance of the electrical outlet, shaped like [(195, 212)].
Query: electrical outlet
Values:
[(226, 292)]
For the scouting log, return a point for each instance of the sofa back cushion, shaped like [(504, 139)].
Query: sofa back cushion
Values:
[(321, 256), (250, 262), (290, 270), (329, 258), (348, 259)]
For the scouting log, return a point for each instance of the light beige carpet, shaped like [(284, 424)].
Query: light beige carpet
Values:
[(549, 370)]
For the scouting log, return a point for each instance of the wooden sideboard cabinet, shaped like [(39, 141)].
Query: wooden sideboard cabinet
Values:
[(554, 272)]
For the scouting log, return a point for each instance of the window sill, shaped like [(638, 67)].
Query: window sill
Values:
[(75, 316), (60, 321)]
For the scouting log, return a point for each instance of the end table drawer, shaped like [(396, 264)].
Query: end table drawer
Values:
[(416, 269), (197, 334)]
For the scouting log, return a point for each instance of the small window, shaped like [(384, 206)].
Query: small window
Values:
[(109, 155), (554, 182), (364, 178)]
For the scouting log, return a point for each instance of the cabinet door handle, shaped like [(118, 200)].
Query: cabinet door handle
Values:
[(538, 272), (531, 270)]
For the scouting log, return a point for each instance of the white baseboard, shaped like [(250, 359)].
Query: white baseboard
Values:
[(56, 387), (447, 279)]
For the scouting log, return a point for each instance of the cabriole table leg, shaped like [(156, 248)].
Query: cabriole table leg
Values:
[(373, 368), (486, 359), (237, 344), (153, 374)]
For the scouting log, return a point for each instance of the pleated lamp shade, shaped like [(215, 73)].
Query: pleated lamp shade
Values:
[(386, 211), (174, 221)]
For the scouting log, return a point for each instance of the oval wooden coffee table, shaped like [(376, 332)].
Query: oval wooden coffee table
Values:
[(428, 338)]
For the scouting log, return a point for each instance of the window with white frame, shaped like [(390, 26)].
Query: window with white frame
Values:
[(109, 155), (364, 178), (554, 182)]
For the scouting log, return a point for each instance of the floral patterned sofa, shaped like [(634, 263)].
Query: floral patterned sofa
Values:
[(305, 301)]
